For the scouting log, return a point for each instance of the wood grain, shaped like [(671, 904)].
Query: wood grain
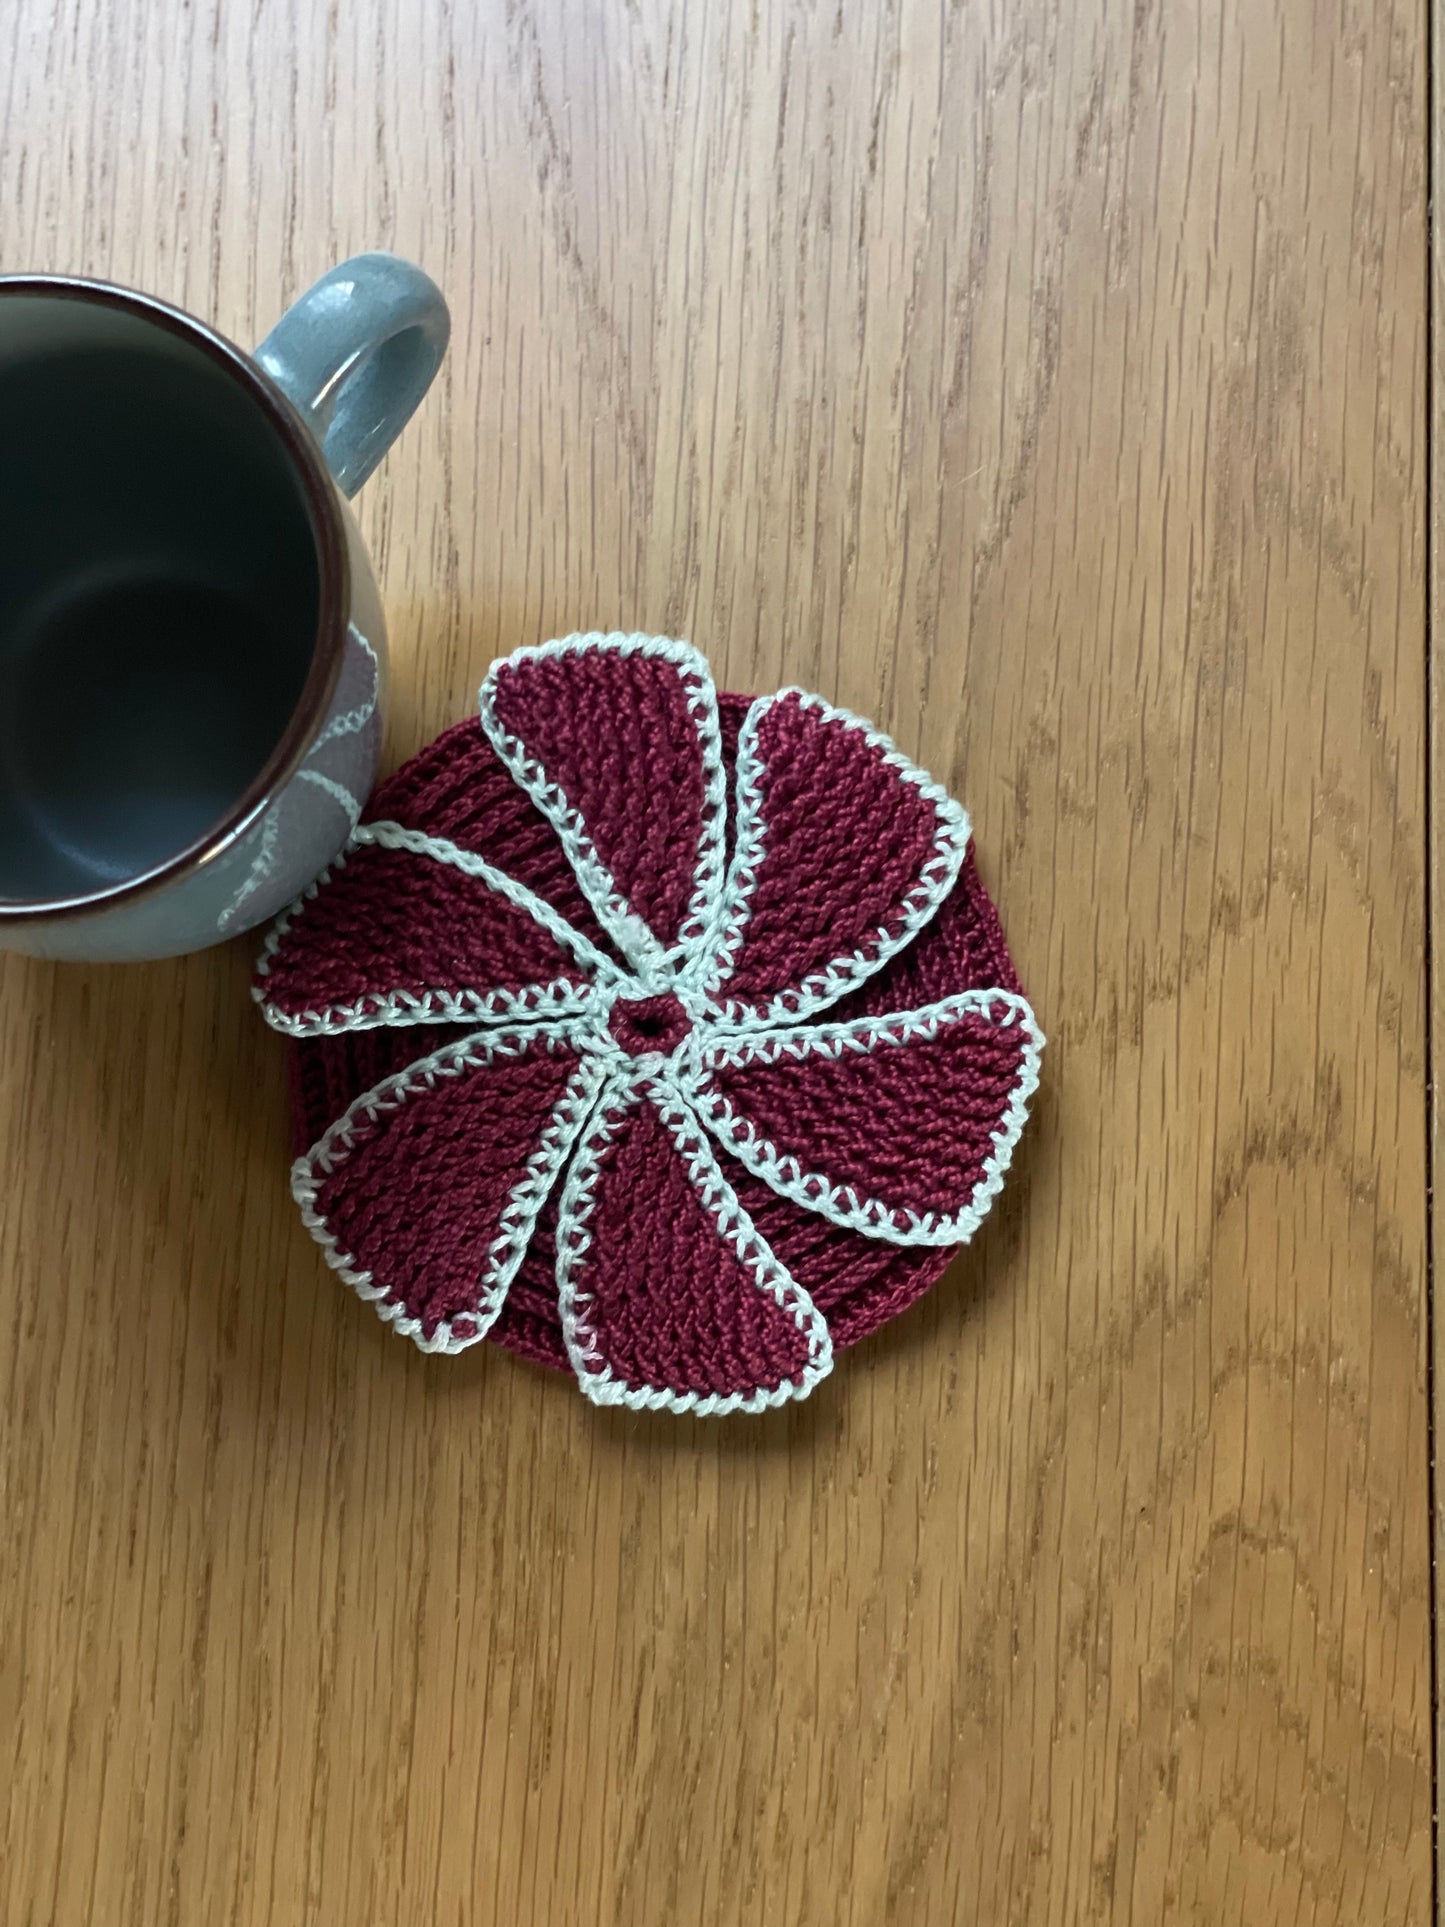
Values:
[(1435, 963), (1047, 381)]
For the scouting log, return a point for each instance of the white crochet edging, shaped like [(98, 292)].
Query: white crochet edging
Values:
[(653, 961), (574, 1239), (841, 1203), (519, 1216), (559, 998), (720, 947)]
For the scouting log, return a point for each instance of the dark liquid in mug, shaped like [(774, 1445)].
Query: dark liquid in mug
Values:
[(158, 607)]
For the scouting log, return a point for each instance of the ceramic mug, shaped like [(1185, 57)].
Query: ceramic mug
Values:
[(192, 653)]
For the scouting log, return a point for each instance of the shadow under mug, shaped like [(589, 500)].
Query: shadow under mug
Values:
[(192, 651)]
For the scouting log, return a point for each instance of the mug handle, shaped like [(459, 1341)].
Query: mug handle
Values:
[(355, 355)]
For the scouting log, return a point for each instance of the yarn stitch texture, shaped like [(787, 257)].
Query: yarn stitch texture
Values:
[(662, 1034)]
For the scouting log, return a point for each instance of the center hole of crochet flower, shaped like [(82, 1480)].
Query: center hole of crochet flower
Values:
[(640, 1025)]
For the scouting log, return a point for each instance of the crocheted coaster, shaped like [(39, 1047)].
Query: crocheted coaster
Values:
[(664, 1034)]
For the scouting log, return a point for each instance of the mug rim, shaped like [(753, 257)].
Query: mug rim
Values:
[(323, 514)]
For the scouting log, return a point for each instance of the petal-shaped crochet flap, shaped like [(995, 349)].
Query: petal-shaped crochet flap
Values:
[(669, 1297), (843, 852), (961, 947), (899, 1127), (406, 928), (616, 739), (425, 1192), (459, 790)]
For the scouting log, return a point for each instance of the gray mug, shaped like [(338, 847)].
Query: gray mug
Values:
[(192, 653)]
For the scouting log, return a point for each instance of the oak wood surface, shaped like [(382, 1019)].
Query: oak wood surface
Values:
[(1045, 379), (1436, 844)]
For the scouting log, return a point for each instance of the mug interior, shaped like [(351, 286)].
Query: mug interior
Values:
[(160, 593)]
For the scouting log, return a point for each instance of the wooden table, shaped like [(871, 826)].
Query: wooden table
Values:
[(1048, 381)]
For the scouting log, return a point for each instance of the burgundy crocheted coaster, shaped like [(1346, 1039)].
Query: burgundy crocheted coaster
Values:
[(664, 1034)]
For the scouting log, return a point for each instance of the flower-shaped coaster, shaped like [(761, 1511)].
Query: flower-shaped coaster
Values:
[(662, 1033)]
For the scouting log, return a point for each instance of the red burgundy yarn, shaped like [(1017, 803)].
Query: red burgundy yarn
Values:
[(669, 1303)]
